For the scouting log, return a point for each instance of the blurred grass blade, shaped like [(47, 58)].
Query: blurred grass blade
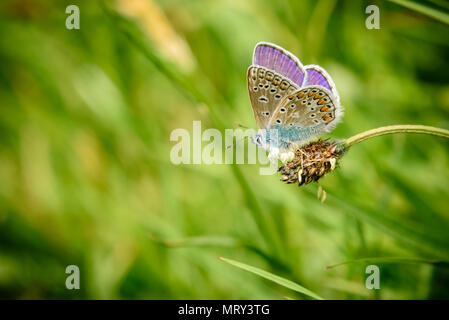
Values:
[(203, 241), (157, 26), (430, 12), (218, 241), (269, 276), (399, 229), (391, 260)]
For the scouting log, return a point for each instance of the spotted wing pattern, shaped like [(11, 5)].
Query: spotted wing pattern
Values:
[(266, 89), (307, 107)]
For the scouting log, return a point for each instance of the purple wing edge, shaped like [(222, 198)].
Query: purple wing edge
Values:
[(330, 83), (282, 62)]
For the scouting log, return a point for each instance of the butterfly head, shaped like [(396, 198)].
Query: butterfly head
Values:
[(266, 139), (260, 139)]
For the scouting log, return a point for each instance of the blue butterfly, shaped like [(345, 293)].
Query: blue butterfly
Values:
[(291, 103)]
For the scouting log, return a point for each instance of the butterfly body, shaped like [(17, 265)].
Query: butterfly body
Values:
[(291, 103)]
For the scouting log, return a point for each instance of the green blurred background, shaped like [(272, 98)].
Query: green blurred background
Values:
[(85, 171)]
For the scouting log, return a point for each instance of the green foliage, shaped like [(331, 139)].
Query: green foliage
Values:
[(85, 171), (272, 277), (424, 9)]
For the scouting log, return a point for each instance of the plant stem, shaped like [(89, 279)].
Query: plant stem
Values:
[(403, 128)]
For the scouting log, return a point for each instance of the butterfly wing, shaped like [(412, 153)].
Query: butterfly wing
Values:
[(280, 61), (307, 112), (315, 75), (266, 89), (275, 73), (302, 102)]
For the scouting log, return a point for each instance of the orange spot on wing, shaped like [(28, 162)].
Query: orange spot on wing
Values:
[(316, 96), (327, 118), (321, 101), (300, 95), (310, 93), (324, 109)]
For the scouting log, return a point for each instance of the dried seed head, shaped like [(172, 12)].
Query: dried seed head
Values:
[(312, 161)]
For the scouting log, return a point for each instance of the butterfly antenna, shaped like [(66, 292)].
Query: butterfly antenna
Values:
[(231, 145), (241, 126)]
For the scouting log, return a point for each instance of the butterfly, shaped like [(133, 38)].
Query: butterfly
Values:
[(292, 103)]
